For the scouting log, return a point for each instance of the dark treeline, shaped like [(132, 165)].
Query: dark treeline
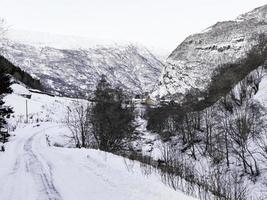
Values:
[(4, 110), (19, 74), (226, 76)]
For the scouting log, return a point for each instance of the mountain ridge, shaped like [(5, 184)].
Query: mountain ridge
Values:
[(192, 65), (75, 72)]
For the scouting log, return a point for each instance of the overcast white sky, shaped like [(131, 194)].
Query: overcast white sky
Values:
[(160, 24)]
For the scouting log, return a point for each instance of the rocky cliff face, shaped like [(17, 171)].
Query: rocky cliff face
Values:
[(193, 65), (75, 72)]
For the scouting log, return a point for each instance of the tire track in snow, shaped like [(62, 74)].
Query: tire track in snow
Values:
[(40, 172), (30, 176), (13, 178)]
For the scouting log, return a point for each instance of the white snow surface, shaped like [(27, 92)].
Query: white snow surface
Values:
[(34, 168)]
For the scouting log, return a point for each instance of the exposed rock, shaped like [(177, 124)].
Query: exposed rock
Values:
[(194, 65)]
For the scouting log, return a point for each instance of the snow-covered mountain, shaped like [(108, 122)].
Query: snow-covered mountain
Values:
[(75, 71), (193, 64)]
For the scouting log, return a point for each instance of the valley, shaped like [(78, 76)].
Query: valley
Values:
[(117, 121)]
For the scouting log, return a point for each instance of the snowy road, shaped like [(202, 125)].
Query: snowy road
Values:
[(32, 170), (29, 176)]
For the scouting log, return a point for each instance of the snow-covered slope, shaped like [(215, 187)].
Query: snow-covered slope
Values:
[(33, 168), (76, 71), (193, 63), (41, 107)]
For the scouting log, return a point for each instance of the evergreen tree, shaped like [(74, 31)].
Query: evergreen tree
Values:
[(111, 118), (4, 110)]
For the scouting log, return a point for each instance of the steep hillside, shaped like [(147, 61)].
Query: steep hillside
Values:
[(204, 57), (19, 75), (75, 72)]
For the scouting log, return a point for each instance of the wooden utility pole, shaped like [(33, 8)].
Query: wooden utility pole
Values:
[(26, 111)]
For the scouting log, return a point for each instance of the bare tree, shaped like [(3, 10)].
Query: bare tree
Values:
[(3, 27), (245, 124), (78, 123), (262, 144), (3, 30)]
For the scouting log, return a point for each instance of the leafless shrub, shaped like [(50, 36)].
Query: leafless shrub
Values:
[(78, 122), (3, 30)]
